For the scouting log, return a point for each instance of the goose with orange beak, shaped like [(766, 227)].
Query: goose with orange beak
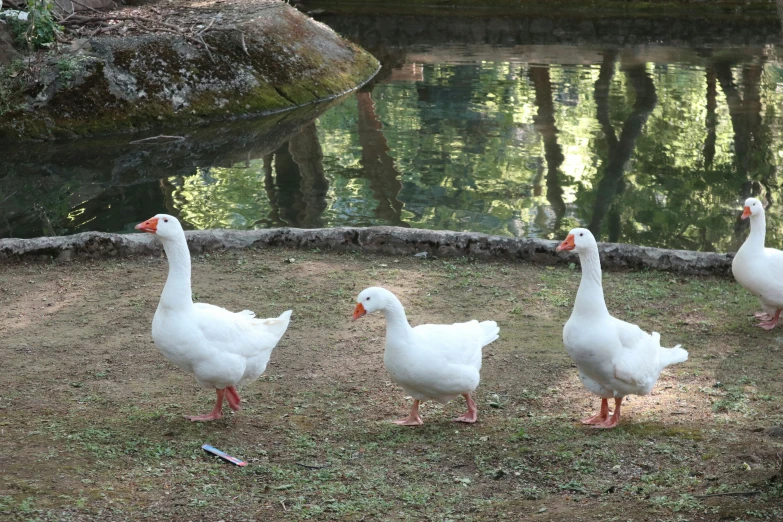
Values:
[(614, 358), (758, 269), (223, 349), (436, 362)]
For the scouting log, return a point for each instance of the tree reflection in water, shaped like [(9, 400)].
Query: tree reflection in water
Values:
[(544, 122), (620, 150), (296, 186), (377, 166), (476, 123)]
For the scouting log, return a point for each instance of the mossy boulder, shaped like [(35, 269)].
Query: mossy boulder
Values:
[(271, 60)]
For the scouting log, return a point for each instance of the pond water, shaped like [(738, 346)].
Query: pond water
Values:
[(647, 131)]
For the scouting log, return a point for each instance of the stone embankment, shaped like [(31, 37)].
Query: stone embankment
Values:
[(382, 240)]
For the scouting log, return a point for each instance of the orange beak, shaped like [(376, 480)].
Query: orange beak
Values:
[(746, 213), (567, 244), (359, 311), (151, 226)]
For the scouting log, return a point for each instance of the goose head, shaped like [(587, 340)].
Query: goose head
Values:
[(163, 226), (753, 207), (370, 300), (578, 240)]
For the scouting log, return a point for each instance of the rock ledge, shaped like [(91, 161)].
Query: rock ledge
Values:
[(259, 58), (382, 240)]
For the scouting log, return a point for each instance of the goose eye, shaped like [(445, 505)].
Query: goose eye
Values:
[(582, 234), (368, 299), (165, 220)]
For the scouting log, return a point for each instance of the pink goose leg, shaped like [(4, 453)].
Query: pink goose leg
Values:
[(472, 415), (413, 419), (233, 398), (217, 411), (601, 416), (772, 323), (612, 421)]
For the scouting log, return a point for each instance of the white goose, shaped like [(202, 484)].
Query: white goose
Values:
[(614, 358), (758, 269), (431, 361), (221, 348)]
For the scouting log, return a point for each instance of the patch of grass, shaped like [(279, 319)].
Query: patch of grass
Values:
[(676, 504), (734, 399), (573, 485), (658, 430)]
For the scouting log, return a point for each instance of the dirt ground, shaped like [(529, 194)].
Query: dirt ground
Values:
[(92, 427)]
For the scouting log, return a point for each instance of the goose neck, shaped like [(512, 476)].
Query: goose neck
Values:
[(396, 321), (758, 230), (590, 296), (177, 292)]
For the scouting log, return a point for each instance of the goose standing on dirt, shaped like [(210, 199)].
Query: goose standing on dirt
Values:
[(758, 269), (222, 349), (431, 361), (614, 358)]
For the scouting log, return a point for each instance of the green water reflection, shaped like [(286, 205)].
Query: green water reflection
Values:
[(647, 144)]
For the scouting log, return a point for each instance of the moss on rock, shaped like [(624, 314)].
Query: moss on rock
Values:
[(274, 61)]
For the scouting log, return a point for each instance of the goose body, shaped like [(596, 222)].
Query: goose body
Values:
[(435, 362), (222, 349), (614, 358), (759, 269), (438, 362)]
